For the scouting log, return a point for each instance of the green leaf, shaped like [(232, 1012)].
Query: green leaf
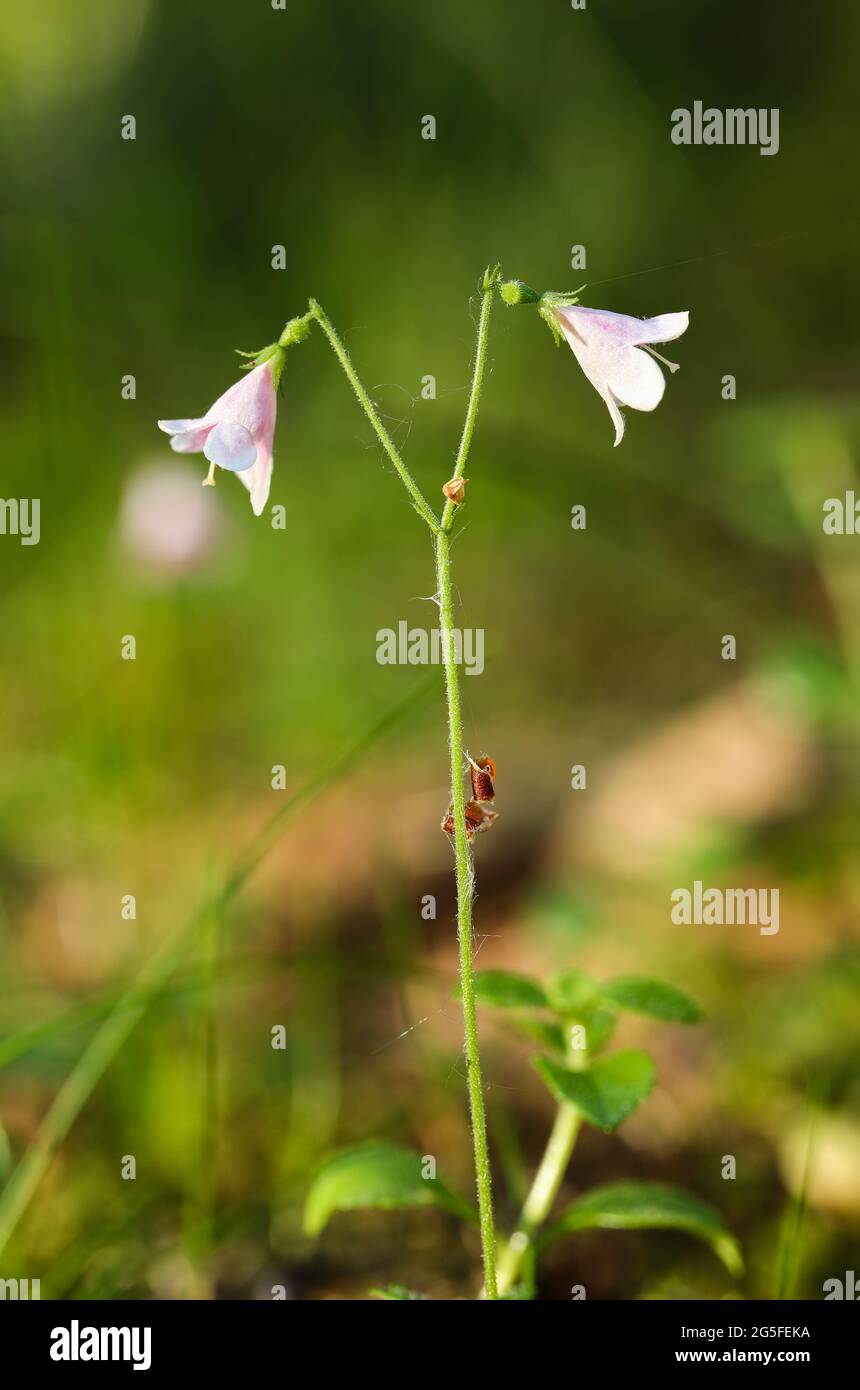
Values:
[(505, 989), (636, 1206), (571, 991), (376, 1174), (652, 997), (608, 1091), (547, 1033), (599, 1027), (397, 1293), (598, 1023)]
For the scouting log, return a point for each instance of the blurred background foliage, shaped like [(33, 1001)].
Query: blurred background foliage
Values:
[(257, 646)]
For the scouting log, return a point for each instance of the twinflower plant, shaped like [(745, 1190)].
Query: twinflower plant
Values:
[(571, 1017)]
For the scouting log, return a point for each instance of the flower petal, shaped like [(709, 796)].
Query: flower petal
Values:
[(179, 426), (590, 325), (635, 379), (192, 440), (622, 374), (615, 413), (259, 410), (663, 328), (606, 347), (231, 446), (593, 326), (244, 396), (258, 479)]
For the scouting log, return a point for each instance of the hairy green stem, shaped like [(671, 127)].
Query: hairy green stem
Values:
[(463, 862), (462, 856), (419, 501), (491, 280), (463, 865)]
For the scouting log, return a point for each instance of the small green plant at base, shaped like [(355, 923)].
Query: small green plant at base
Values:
[(571, 1019)]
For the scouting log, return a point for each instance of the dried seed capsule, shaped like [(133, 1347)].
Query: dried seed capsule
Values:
[(483, 772), (455, 490), (474, 815), (478, 818)]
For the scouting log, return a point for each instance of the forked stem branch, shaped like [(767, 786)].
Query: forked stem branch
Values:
[(462, 852)]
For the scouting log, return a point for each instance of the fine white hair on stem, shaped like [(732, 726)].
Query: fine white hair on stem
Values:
[(440, 527)]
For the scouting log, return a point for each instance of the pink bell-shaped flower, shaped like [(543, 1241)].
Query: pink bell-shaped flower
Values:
[(236, 433), (614, 352)]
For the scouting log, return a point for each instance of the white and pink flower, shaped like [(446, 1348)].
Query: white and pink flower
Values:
[(236, 433), (614, 352)]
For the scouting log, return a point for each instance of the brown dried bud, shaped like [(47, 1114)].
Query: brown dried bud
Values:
[(474, 815), (478, 819), (483, 771), (455, 490)]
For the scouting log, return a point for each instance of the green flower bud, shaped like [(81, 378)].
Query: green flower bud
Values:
[(517, 292), (295, 332)]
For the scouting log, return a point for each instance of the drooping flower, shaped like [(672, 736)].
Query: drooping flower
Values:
[(614, 352), (237, 432)]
